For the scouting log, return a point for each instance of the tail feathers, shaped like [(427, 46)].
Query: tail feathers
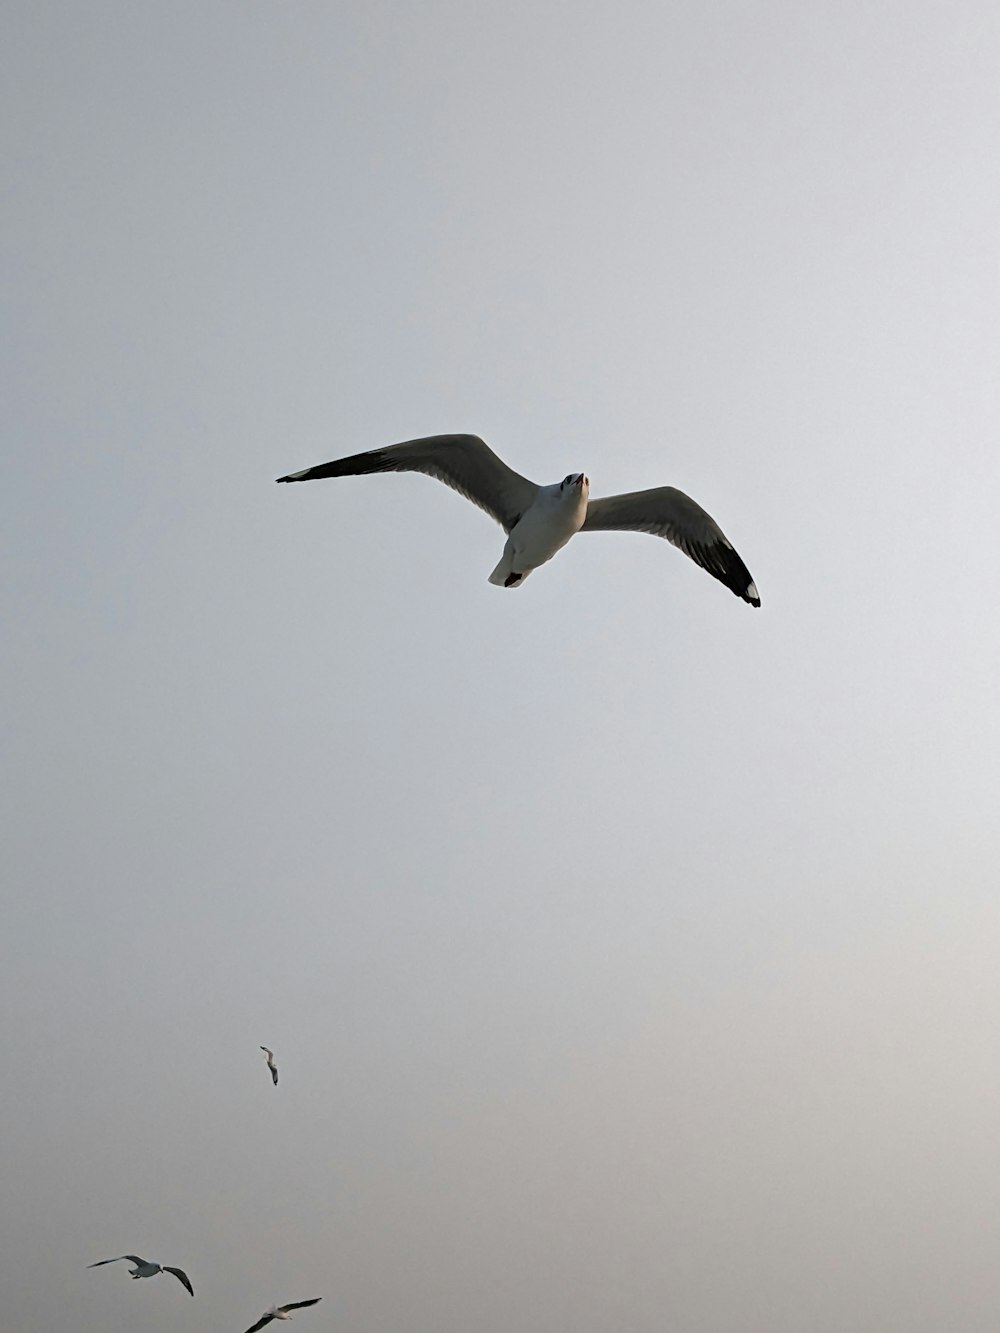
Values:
[(504, 576)]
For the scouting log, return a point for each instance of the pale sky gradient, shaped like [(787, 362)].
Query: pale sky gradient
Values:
[(631, 957)]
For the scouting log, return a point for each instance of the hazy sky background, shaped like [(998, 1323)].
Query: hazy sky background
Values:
[(631, 957)]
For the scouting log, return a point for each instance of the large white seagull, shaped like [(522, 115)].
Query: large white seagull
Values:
[(540, 520)]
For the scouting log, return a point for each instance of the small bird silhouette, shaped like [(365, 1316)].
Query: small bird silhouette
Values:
[(271, 1065)]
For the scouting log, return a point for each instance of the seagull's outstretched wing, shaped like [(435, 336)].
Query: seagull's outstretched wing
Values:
[(132, 1258), (271, 1065), (464, 462), (299, 1305), (264, 1319), (667, 512), (181, 1276)]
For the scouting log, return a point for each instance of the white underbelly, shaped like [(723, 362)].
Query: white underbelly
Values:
[(539, 536)]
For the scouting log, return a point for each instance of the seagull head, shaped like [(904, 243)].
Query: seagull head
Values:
[(576, 484)]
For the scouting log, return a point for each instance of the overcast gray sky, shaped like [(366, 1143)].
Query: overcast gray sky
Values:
[(631, 957)]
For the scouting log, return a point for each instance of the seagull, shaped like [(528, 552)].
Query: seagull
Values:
[(281, 1312), (143, 1268), (271, 1065), (540, 520)]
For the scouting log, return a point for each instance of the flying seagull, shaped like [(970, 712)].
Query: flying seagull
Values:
[(539, 520), (281, 1312), (271, 1065), (143, 1268)]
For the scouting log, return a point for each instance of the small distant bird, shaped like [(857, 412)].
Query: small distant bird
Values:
[(540, 520), (271, 1065), (281, 1312), (143, 1268)]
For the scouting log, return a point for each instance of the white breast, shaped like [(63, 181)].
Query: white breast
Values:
[(547, 526)]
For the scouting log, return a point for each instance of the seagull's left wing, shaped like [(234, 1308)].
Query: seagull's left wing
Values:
[(299, 1305), (667, 512), (181, 1277)]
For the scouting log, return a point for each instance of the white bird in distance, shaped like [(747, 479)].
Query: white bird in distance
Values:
[(271, 1065), (540, 520), (281, 1312), (144, 1268)]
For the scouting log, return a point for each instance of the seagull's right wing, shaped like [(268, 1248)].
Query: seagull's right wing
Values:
[(464, 462), (299, 1305), (132, 1258), (264, 1319)]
